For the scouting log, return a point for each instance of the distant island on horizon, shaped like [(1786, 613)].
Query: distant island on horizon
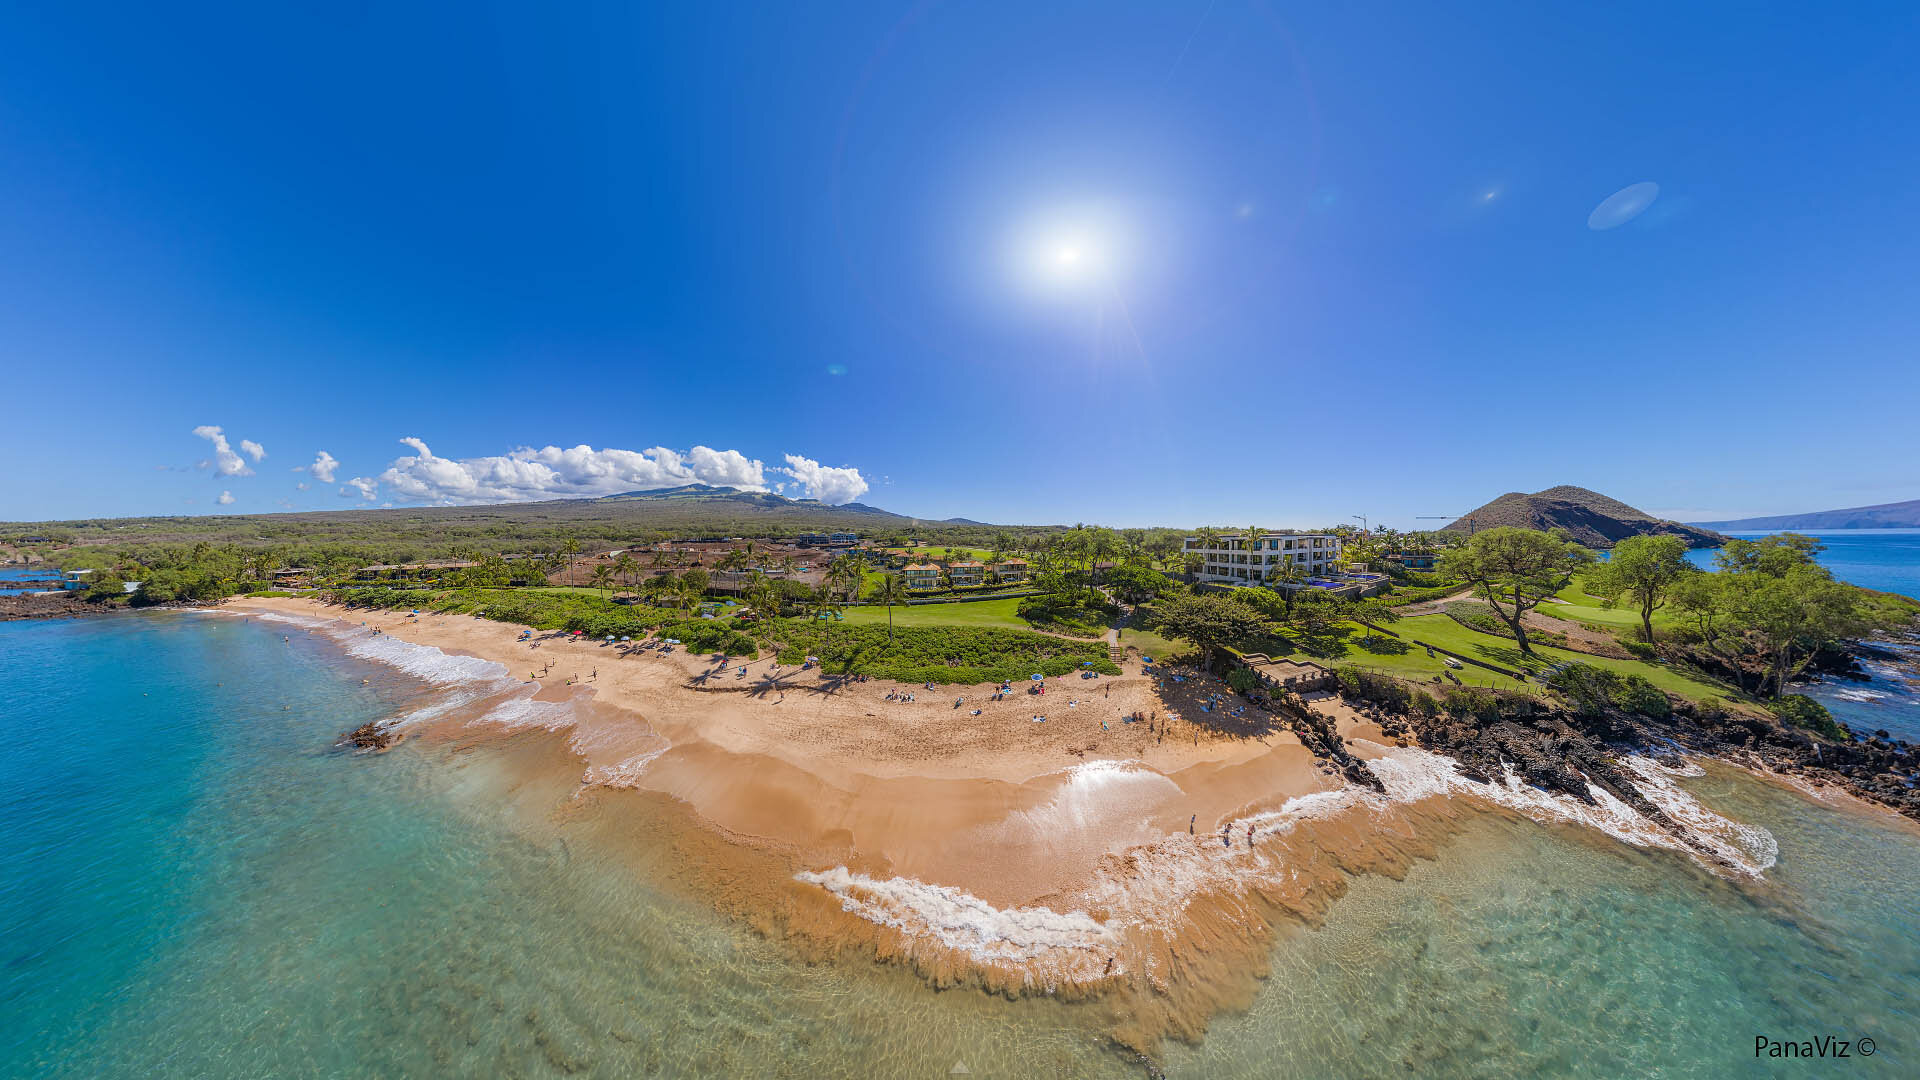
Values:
[(1895, 515)]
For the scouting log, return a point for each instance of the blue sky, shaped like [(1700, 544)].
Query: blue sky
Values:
[(1119, 263)]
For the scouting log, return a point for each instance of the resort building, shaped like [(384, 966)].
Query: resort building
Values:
[(1239, 559), (1011, 570), (1414, 560), (921, 576), (967, 574)]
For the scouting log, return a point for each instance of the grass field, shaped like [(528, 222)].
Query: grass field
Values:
[(1581, 606), (1444, 632), (1448, 634), (1154, 645), (974, 613)]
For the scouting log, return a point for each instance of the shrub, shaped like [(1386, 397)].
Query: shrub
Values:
[(1370, 687), (939, 654), (1802, 711), (1639, 696), (1470, 702), (1592, 690)]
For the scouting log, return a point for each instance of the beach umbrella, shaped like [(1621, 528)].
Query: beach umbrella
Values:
[(1086, 663), (623, 638), (1036, 677), (609, 637)]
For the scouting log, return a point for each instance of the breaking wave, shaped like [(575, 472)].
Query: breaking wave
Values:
[(964, 922), (1416, 774), (1151, 886)]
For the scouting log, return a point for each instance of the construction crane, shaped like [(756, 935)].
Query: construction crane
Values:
[(1445, 517)]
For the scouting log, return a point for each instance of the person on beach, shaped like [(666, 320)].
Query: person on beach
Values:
[(1191, 818)]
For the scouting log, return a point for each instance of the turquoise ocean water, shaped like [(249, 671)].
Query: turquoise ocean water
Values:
[(193, 882)]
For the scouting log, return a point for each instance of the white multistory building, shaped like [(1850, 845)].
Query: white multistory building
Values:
[(1234, 558)]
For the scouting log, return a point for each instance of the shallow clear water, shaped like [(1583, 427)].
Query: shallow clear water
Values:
[(195, 883)]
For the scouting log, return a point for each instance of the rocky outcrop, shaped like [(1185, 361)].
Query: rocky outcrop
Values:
[(1320, 735), (1561, 751), (369, 736), (47, 606), (1591, 518)]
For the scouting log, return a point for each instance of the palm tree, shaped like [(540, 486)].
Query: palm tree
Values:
[(570, 548), (1193, 562), (763, 596), (890, 590), (625, 566), (602, 576), (825, 605), (847, 575), (1287, 572), (689, 590)]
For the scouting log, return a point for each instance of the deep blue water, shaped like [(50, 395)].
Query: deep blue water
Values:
[(195, 883), (1883, 559)]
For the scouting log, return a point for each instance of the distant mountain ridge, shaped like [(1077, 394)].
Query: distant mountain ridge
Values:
[(1897, 515), (711, 495), (1593, 519)]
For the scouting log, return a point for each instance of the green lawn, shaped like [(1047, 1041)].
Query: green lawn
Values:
[(1582, 606), (1153, 644), (1448, 634), (973, 613), (1444, 632)]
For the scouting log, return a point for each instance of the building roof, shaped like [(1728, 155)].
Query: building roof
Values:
[(958, 565), (1011, 562), (923, 566)]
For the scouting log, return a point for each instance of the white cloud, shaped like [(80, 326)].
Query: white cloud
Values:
[(322, 468), (302, 485), (225, 461), (225, 499), (361, 486), (829, 485), (253, 449), (527, 474)]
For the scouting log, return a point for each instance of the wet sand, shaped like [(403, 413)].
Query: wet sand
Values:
[(1082, 857)]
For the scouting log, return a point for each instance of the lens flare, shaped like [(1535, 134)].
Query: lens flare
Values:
[(1623, 206)]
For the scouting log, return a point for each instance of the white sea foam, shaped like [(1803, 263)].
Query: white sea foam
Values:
[(424, 661), (961, 921), (521, 712), (1860, 695), (1157, 881), (303, 621), (626, 772), (1410, 775)]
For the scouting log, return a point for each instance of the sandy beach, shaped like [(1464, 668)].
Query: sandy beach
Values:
[(1146, 864)]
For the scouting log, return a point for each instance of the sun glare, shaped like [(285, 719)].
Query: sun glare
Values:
[(1068, 253)]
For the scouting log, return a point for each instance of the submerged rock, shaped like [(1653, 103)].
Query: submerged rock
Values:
[(369, 736)]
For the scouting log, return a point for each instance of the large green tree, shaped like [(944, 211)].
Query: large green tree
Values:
[(1642, 571), (1514, 570), (1210, 620)]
